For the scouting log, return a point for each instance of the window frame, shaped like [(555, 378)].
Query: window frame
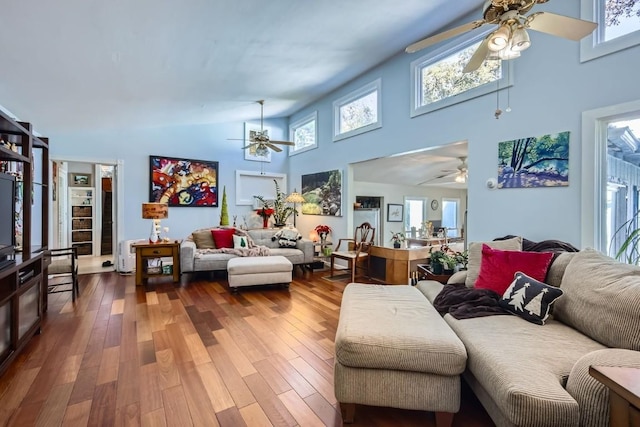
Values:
[(456, 201), (594, 46), (439, 54), (369, 88), (303, 121)]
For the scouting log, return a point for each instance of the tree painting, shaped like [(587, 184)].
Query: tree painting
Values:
[(534, 162), (322, 193)]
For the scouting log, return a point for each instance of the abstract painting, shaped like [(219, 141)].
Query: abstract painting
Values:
[(322, 193), (534, 162), (184, 182)]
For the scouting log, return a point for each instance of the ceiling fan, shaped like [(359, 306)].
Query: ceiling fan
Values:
[(260, 139), (511, 37), (461, 173)]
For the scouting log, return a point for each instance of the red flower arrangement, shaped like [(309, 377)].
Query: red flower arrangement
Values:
[(265, 213), (323, 229)]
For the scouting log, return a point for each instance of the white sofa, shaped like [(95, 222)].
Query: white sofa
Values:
[(194, 259)]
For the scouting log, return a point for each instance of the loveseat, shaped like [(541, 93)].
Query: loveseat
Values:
[(527, 374), (198, 251)]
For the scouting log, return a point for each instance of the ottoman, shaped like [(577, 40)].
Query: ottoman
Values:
[(393, 349), (259, 270)]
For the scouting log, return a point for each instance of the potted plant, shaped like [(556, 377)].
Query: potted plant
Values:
[(280, 209), (397, 239), (435, 259)]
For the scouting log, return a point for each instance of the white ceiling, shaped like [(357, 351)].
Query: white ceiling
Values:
[(73, 64), (435, 167)]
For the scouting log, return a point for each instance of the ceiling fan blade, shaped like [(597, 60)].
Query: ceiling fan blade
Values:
[(282, 142), (437, 177), (273, 147), (560, 25), (250, 145), (419, 45), (478, 57), (235, 139)]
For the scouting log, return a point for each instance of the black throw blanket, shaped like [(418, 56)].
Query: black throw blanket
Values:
[(465, 303)]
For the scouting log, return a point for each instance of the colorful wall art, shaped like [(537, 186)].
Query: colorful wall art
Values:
[(534, 162), (322, 193), (184, 182)]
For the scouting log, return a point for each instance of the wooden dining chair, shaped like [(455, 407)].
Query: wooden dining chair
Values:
[(355, 251)]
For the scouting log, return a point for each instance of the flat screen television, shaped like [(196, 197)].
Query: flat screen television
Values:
[(7, 220)]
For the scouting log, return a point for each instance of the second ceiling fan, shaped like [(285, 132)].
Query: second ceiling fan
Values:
[(260, 141), (511, 37)]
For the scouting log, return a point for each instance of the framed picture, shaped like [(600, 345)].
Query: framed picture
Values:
[(322, 193), (395, 212), (252, 153), (80, 179), (183, 182)]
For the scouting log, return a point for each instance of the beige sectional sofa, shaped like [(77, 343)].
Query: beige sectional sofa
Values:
[(194, 258), (531, 375)]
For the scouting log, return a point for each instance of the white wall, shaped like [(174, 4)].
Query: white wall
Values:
[(551, 89)]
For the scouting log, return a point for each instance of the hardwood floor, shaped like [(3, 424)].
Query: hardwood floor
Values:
[(191, 354)]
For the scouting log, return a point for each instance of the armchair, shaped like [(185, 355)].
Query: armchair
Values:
[(357, 249)]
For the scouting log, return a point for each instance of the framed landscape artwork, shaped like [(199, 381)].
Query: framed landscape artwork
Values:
[(322, 193), (183, 182), (531, 162), (80, 179)]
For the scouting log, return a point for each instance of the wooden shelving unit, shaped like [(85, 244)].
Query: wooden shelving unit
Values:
[(82, 227), (23, 296)]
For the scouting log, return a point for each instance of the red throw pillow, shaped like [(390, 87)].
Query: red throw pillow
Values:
[(497, 267), (223, 237)]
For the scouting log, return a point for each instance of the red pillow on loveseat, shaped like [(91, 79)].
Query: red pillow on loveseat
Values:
[(497, 267), (223, 237)]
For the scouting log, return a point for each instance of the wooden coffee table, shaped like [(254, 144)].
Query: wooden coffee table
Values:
[(624, 393)]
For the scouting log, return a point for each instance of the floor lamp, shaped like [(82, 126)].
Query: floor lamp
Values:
[(156, 212), (294, 198)]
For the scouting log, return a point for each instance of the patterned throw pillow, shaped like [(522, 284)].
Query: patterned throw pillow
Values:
[(240, 242), (529, 298), (287, 238)]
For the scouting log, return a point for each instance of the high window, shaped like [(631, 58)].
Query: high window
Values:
[(438, 79), (358, 112), (303, 133), (618, 26)]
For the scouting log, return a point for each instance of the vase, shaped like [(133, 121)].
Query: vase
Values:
[(436, 268), (396, 245), (265, 222), (279, 225), (323, 239)]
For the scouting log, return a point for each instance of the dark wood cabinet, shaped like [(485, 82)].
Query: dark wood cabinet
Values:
[(22, 284)]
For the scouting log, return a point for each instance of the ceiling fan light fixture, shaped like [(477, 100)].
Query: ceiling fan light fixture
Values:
[(461, 178), (262, 150), (520, 40), (500, 38)]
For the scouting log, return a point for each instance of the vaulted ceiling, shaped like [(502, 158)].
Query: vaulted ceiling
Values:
[(74, 64)]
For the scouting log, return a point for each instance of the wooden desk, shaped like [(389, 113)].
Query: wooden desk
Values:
[(624, 393), (145, 251), (394, 266)]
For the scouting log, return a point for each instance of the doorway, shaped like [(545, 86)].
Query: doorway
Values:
[(85, 212)]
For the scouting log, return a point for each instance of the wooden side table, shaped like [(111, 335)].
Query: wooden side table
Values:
[(624, 393), (146, 251)]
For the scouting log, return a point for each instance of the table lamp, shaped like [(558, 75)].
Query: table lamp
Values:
[(156, 212), (294, 198)]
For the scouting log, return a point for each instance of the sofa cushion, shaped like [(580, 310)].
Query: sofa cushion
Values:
[(602, 299), (203, 239), (524, 366), (223, 237), (498, 268), (529, 298), (475, 255)]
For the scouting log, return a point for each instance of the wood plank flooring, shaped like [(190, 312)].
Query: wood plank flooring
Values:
[(186, 354)]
